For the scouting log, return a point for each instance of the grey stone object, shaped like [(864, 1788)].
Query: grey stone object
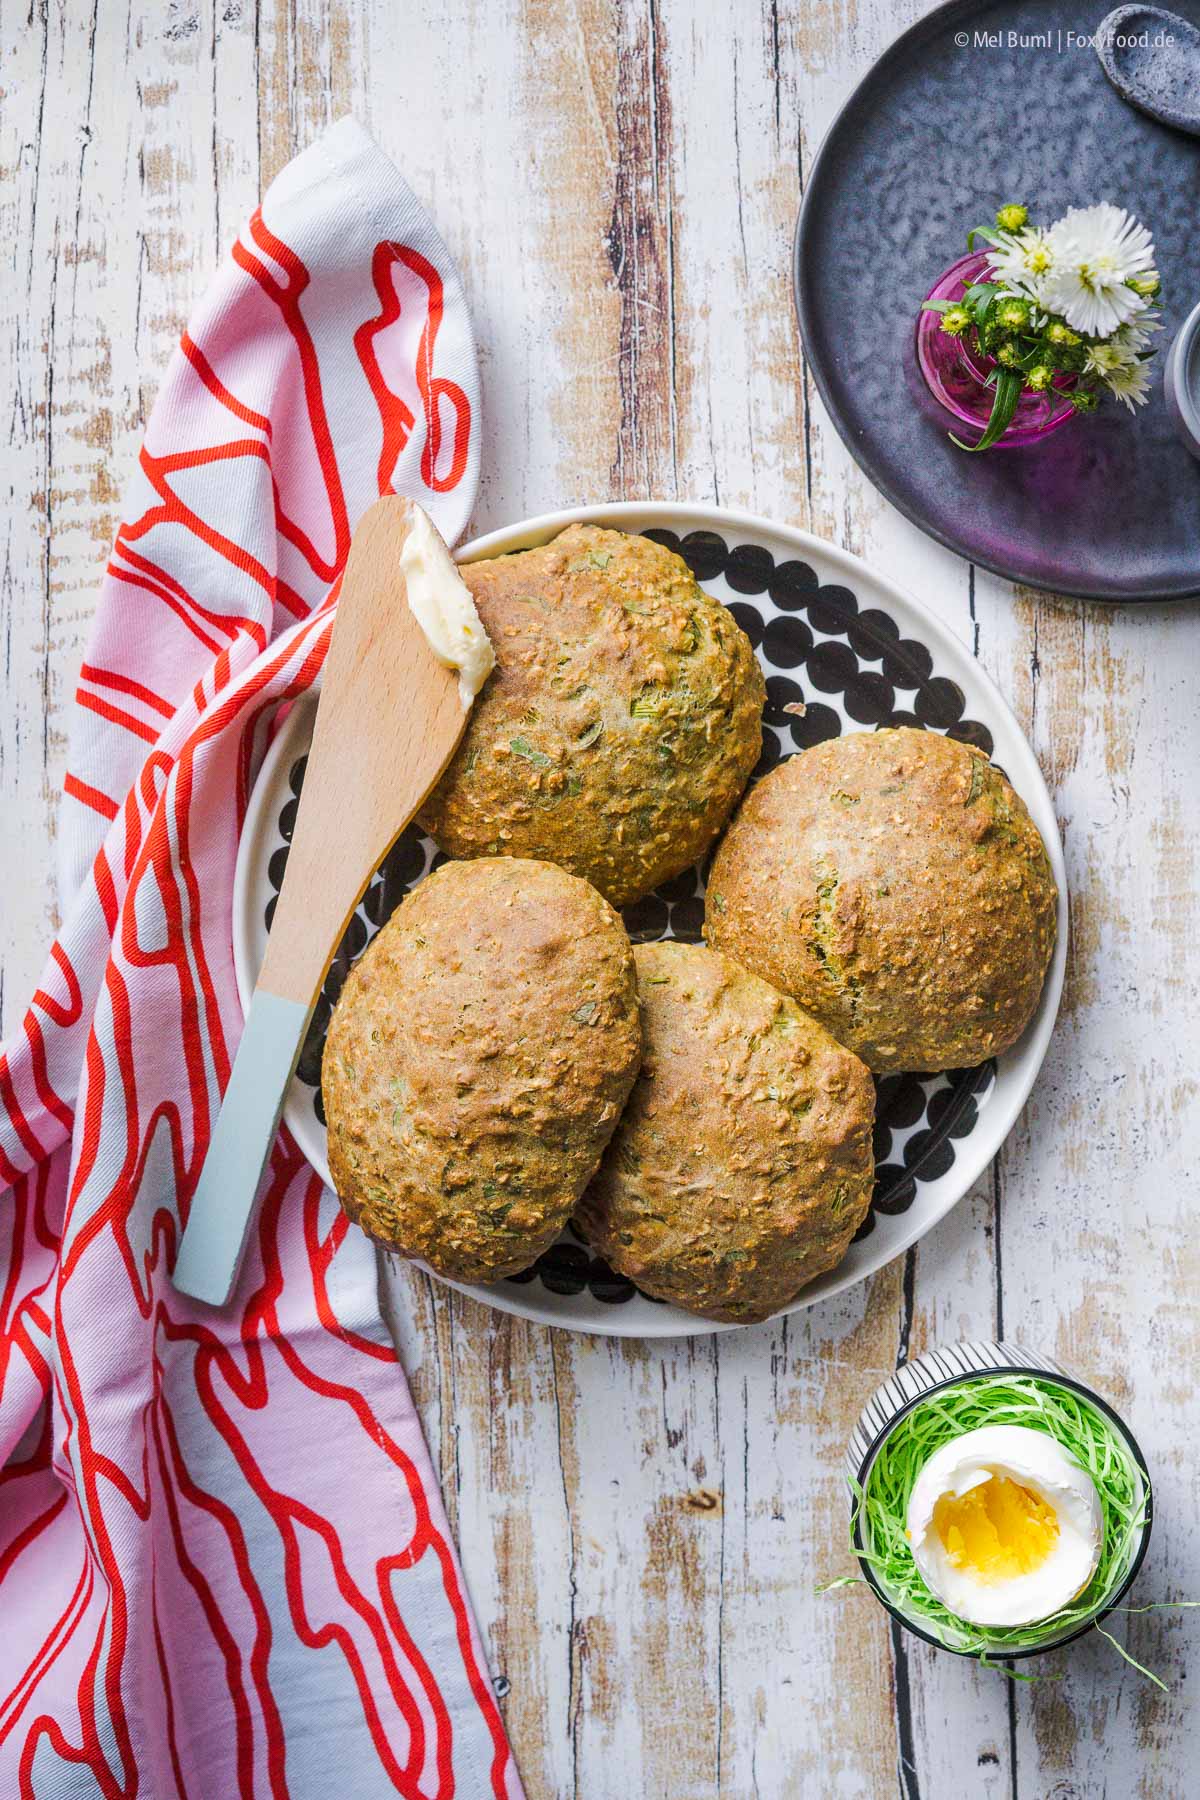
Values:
[(1181, 382), (1152, 58)]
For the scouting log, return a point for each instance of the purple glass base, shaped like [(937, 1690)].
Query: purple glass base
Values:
[(956, 373)]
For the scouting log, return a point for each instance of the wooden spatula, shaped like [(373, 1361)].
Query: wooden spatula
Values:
[(388, 721)]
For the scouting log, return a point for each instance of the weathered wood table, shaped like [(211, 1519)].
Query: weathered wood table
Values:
[(644, 1526)]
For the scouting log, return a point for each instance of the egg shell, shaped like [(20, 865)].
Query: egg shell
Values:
[(1039, 1462)]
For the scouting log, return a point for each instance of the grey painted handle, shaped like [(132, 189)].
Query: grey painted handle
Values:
[(223, 1204)]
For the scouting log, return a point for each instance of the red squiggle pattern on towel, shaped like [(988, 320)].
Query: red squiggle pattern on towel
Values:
[(225, 1568)]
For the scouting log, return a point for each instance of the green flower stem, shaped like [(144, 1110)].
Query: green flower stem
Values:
[(1008, 391), (981, 231)]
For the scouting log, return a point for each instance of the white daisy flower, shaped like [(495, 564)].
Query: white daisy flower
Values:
[(1130, 384), (1138, 333), (1095, 251), (1022, 260), (1109, 357)]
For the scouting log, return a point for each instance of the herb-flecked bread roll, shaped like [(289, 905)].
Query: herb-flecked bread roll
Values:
[(895, 884), (477, 1062), (742, 1166), (620, 724)]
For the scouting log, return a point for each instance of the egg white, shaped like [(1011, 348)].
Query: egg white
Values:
[(1041, 1464)]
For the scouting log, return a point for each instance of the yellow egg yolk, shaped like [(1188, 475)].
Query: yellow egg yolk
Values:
[(998, 1530)]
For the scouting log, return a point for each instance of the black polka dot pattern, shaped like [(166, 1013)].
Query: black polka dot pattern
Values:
[(830, 666)]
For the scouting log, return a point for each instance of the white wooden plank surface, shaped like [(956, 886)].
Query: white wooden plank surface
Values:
[(643, 1526)]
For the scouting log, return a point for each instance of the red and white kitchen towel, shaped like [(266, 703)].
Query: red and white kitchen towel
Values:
[(225, 1569)]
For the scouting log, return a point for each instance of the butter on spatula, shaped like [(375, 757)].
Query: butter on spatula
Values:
[(407, 656)]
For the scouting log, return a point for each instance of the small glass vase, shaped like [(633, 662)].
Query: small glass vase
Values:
[(956, 370)]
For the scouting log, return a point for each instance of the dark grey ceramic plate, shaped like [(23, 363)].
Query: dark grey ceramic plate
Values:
[(933, 140)]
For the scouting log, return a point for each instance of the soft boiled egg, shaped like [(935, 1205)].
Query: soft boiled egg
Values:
[(1005, 1525)]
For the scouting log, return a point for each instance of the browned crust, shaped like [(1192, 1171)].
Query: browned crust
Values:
[(742, 1165), (621, 723), (895, 884), (477, 1062)]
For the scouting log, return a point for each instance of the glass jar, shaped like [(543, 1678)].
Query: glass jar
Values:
[(956, 370)]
